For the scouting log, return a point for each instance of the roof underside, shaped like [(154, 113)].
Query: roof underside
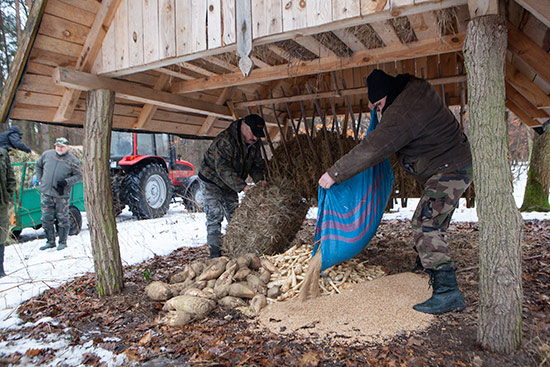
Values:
[(321, 72)]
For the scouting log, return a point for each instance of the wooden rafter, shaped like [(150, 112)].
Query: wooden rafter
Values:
[(523, 116), (539, 8), (84, 81), (196, 69), (349, 40), (387, 33), (424, 25), (88, 54), (149, 109), (175, 74), (327, 64), (526, 87), (314, 46), (222, 63), (524, 104)]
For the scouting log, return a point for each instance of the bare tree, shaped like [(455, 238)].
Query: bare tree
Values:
[(538, 177)]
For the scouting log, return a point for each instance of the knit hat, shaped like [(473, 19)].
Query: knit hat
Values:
[(379, 84), (256, 124)]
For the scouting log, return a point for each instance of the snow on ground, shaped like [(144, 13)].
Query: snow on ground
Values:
[(31, 271)]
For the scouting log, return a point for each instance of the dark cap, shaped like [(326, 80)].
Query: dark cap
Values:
[(61, 141), (256, 124), (379, 84)]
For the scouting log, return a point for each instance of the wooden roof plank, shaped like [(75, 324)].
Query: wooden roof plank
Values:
[(20, 59), (526, 87), (539, 8), (531, 53), (415, 49), (524, 104), (88, 54), (527, 120), (70, 12)]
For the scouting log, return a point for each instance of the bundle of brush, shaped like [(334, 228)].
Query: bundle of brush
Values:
[(267, 220), (18, 156)]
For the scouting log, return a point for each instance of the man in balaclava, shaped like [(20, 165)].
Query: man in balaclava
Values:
[(231, 158), (11, 139), (429, 143)]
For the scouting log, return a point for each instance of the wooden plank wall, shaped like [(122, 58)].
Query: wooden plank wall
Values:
[(151, 30)]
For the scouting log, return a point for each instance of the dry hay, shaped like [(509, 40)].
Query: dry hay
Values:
[(267, 220), (329, 40), (367, 36), (403, 29), (303, 172), (18, 156), (447, 21)]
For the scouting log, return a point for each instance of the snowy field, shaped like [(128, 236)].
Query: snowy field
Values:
[(31, 271)]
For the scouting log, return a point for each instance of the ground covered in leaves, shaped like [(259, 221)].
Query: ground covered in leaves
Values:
[(228, 338)]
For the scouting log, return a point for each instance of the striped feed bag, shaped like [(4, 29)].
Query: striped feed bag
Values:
[(349, 213)]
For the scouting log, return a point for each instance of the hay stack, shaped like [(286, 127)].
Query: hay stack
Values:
[(267, 220)]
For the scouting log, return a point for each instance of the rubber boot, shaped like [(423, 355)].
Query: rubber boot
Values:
[(63, 233), (50, 237), (214, 244), (2, 247), (446, 296)]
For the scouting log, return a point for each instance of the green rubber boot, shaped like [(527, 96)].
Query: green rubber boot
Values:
[(446, 296), (50, 237), (63, 234)]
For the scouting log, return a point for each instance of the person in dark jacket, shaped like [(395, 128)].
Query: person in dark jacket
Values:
[(57, 170), (7, 187), (11, 139), (231, 158), (430, 145)]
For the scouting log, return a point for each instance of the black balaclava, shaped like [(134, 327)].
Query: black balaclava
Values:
[(381, 85)]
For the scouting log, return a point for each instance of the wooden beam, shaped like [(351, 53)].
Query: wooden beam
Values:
[(387, 33), (314, 46), (149, 109), (221, 63), (88, 54), (527, 120), (21, 56), (209, 121), (258, 62), (336, 93), (524, 104), (175, 74), (196, 69), (526, 87), (135, 92), (527, 50), (539, 8), (389, 13), (349, 40), (368, 57), (424, 25)]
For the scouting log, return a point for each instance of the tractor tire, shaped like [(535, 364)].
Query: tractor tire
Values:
[(119, 200), (191, 198), (148, 191), (75, 220)]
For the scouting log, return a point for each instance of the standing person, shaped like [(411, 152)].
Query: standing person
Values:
[(231, 158), (430, 145), (56, 171), (11, 139), (7, 187)]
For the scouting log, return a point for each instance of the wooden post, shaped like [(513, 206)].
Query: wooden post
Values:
[(97, 192)]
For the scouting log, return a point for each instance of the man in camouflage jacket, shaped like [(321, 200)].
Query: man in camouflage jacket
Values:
[(231, 158), (7, 187), (430, 145), (57, 170)]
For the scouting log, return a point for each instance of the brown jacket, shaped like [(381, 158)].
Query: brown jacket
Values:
[(420, 129)]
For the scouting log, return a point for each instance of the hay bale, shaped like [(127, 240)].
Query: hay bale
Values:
[(266, 221)]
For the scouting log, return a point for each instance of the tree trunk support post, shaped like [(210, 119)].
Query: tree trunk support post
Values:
[(97, 192), (500, 223)]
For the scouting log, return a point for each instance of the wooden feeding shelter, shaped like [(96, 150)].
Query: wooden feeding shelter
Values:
[(190, 67)]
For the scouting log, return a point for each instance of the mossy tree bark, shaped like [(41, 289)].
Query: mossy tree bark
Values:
[(500, 224), (97, 192), (538, 177)]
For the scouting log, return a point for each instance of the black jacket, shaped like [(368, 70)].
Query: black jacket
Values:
[(11, 139)]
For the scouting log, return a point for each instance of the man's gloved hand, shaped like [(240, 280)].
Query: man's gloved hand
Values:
[(60, 188)]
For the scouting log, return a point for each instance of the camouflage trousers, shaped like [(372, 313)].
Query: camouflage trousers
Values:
[(52, 207), (433, 215), (4, 222), (217, 204)]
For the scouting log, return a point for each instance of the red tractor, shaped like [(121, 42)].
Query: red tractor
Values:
[(146, 174)]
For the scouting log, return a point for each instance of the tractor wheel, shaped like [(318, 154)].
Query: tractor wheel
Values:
[(191, 198), (149, 191), (117, 183), (75, 221)]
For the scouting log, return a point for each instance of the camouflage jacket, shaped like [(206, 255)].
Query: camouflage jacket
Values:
[(7, 178), (420, 129), (229, 160)]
